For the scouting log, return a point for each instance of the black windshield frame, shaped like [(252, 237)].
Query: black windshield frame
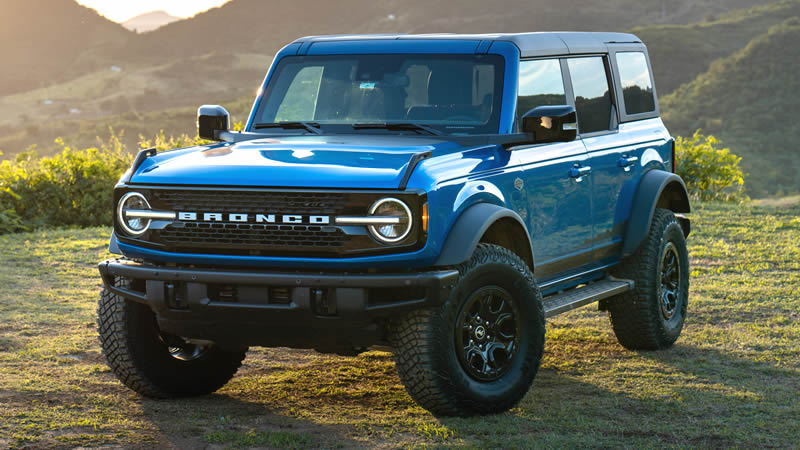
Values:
[(480, 76)]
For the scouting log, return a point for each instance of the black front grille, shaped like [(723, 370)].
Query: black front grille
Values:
[(252, 237), (252, 201), (256, 236)]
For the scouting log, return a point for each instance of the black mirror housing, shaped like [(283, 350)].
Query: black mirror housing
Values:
[(551, 123), (211, 120)]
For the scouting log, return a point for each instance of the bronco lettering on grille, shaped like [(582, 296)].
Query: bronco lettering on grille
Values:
[(257, 218)]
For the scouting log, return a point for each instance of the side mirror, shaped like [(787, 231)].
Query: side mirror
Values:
[(211, 120), (551, 123)]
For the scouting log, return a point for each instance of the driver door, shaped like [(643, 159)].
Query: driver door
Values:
[(558, 204)]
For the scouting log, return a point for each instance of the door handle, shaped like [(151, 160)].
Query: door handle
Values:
[(627, 161), (577, 172)]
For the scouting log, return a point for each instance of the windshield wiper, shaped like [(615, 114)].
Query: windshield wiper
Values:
[(308, 126), (409, 126)]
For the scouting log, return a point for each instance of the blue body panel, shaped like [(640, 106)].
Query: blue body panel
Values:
[(613, 184), (333, 161), (575, 225)]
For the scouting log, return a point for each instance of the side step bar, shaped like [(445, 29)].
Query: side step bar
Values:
[(590, 293)]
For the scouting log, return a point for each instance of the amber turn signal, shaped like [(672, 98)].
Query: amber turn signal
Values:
[(425, 217)]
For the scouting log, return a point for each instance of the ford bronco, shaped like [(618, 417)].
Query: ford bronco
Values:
[(441, 195)]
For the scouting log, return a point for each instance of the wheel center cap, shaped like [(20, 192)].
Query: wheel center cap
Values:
[(480, 332)]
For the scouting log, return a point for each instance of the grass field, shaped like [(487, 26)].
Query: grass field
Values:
[(731, 380)]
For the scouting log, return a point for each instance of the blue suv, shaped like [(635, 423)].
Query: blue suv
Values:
[(441, 195)]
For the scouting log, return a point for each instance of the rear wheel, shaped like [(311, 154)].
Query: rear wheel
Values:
[(479, 352), (651, 316), (155, 364)]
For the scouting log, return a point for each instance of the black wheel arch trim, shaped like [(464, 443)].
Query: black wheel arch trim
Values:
[(658, 188), (469, 228)]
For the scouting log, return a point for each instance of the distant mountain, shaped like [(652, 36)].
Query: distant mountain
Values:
[(149, 21), (749, 100), (43, 42)]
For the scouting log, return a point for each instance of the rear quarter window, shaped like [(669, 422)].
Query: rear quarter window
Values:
[(637, 87)]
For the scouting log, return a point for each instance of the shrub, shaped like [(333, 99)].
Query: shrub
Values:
[(74, 187), (161, 142), (71, 188), (710, 171), (10, 222)]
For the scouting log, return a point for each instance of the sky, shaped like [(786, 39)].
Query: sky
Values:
[(120, 11)]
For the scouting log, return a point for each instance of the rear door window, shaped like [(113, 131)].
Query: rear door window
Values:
[(637, 88), (592, 94)]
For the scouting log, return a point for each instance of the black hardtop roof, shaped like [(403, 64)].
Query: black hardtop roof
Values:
[(529, 44)]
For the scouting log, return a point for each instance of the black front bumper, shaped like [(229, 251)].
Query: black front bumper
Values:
[(295, 309)]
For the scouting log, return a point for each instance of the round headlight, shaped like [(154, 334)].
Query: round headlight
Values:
[(398, 220), (130, 202)]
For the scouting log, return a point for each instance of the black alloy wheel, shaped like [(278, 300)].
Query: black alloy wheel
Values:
[(670, 281), (487, 333)]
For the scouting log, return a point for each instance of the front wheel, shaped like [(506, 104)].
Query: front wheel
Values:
[(152, 363), (479, 352), (651, 316)]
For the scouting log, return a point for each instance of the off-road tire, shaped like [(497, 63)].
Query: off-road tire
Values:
[(636, 316), (138, 355), (424, 341)]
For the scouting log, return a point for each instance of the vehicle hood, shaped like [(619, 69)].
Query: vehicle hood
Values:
[(335, 161)]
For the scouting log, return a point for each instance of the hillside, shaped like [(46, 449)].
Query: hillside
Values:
[(82, 133), (105, 93), (749, 100), (49, 41), (221, 55), (679, 53), (258, 26), (66, 88), (149, 21)]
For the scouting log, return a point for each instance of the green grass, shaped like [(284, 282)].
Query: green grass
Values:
[(253, 438), (731, 380)]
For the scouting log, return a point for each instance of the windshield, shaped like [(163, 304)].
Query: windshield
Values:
[(453, 94)]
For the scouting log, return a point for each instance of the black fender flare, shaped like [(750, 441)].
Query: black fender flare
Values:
[(468, 229), (657, 188)]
